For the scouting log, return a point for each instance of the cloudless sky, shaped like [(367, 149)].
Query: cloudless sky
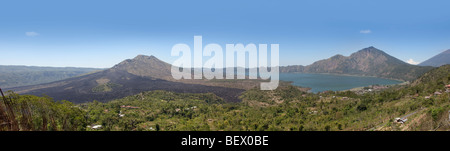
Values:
[(99, 33)]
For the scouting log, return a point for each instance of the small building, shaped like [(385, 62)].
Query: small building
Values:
[(437, 93), (313, 112), (121, 114), (95, 127), (399, 120), (129, 107)]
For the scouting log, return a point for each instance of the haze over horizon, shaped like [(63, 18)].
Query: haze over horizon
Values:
[(101, 34)]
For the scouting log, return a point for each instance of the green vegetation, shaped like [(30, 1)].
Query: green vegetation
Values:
[(107, 87), (287, 108), (155, 110), (32, 113)]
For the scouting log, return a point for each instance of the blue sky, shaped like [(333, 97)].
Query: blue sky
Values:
[(103, 33)]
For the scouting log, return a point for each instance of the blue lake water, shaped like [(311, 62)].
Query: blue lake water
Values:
[(324, 82)]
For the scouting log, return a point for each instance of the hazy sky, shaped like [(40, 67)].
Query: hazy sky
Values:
[(102, 33)]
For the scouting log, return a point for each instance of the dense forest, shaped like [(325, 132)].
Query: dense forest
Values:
[(32, 113), (425, 103)]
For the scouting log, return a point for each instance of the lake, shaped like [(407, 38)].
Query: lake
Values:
[(324, 82)]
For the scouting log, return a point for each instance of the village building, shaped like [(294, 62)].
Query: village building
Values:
[(95, 127), (399, 120), (120, 114), (437, 93), (129, 107)]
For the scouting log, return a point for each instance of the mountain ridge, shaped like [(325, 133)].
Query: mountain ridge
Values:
[(365, 62), (147, 73), (129, 77), (19, 75), (438, 60)]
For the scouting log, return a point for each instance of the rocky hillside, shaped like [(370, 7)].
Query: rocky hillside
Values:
[(132, 76), (366, 62), (146, 66), (438, 60)]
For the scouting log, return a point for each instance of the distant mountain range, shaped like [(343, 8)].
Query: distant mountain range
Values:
[(366, 62), (14, 76), (438, 60)]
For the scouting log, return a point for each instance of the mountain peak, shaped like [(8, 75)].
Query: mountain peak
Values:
[(147, 66), (376, 55), (371, 49), (144, 57), (338, 56)]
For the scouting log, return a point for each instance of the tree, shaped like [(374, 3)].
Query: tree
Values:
[(157, 127), (327, 128)]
